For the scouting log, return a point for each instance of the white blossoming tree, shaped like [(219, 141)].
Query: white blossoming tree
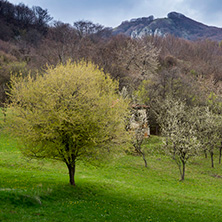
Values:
[(178, 126)]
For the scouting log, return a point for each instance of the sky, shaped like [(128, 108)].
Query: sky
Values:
[(111, 13)]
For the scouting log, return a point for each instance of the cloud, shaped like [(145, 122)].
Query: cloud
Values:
[(113, 12), (209, 12), (205, 11)]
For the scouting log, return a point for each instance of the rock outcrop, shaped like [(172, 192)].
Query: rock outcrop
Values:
[(175, 24)]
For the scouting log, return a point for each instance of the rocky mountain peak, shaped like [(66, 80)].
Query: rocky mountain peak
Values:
[(175, 15), (143, 19), (175, 24)]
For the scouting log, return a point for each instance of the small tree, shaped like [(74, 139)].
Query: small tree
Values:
[(71, 112), (137, 125), (178, 126), (137, 141), (139, 129), (209, 128), (215, 109)]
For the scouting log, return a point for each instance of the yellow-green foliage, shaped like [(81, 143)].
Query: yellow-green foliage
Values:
[(10, 65), (71, 111)]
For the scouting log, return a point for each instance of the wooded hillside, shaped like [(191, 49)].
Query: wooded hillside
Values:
[(186, 69)]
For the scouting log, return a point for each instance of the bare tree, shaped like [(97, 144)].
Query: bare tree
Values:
[(140, 59), (87, 28)]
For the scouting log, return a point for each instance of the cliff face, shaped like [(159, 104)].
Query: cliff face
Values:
[(175, 24)]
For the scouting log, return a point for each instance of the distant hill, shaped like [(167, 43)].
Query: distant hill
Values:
[(175, 24), (21, 22)]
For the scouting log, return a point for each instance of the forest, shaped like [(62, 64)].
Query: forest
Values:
[(179, 80)]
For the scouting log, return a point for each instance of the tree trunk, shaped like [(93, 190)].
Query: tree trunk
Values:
[(220, 155), (212, 159), (183, 171), (71, 168), (205, 153), (174, 151), (144, 158), (140, 152)]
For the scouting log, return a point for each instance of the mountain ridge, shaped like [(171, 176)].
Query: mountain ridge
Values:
[(175, 24)]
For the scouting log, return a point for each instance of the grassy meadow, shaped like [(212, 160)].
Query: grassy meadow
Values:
[(123, 190)]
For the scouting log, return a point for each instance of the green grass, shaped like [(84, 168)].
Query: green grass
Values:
[(124, 190)]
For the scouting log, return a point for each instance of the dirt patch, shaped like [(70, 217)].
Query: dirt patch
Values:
[(216, 176)]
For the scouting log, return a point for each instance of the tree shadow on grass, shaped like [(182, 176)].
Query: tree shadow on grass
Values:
[(100, 201)]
